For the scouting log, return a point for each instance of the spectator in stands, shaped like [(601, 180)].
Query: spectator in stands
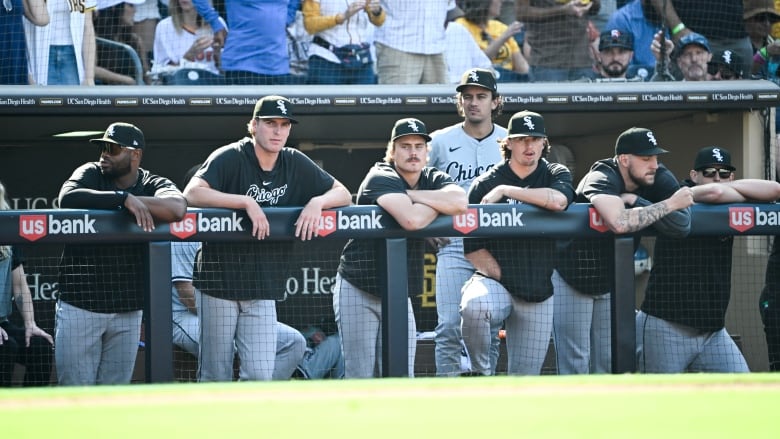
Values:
[(691, 57), (63, 52), (246, 61), (640, 18), (98, 314), (28, 345), (760, 16), (240, 281), (114, 21), (769, 306), (414, 195), (719, 21), (404, 53), (512, 284), (185, 39), (145, 20), (724, 65), (13, 48), (464, 151), (582, 278), (461, 52), (340, 52), (496, 39), (323, 357), (681, 324), (558, 35), (616, 49)]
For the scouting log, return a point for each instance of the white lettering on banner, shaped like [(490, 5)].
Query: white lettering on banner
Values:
[(311, 281), (42, 290), (501, 219), (742, 219), (331, 221), (34, 227), (34, 203), (220, 224)]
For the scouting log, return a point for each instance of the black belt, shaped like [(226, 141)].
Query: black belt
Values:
[(322, 43)]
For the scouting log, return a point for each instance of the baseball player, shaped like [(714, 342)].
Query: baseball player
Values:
[(512, 283), (681, 324), (98, 314), (464, 151), (769, 306), (414, 195), (630, 191), (290, 344), (240, 281)]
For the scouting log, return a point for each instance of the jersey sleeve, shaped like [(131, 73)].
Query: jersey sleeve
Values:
[(219, 167), (318, 181)]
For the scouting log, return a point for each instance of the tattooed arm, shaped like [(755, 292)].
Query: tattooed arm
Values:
[(621, 220)]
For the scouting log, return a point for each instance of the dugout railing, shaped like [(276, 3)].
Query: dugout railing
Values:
[(42, 227)]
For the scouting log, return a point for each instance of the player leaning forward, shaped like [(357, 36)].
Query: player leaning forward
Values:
[(240, 281), (512, 283), (414, 195)]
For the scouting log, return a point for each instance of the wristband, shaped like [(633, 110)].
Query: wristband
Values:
[(123, 195), (677, 29)]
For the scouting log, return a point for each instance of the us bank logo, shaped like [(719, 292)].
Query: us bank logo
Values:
[(476, 217), (35, 227), (743, 219), (331, 221)]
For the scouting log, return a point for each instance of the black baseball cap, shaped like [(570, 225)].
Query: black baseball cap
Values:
[(713, 156), (478, 77), (726, 58), (409, 126), (638, 141), (123, 134), (273, 107), (616, 38), (526, 124)]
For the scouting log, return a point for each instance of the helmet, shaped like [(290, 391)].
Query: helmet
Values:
[(642, 261)]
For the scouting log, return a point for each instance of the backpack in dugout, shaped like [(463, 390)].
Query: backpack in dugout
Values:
[(352, 56)]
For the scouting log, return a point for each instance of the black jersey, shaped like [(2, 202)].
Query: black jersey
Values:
[(358, 259), (690, 282), (586, 264), (106, 278), (255, 270), (526, 263)]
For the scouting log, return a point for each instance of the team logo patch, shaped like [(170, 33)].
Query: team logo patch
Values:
[(186, 227), (327, 223), (413, 126), (717, 155), (280, 105), (467, 222), (33, 227), (595, 221), (741, 218)]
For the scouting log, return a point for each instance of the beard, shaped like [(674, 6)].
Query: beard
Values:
[(614, 69), (117, 170), (643, 180)]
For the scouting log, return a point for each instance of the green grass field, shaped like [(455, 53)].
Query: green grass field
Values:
[(623, 406)]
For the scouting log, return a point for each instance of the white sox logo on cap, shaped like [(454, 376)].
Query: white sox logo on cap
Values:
[(473, 76), (280, 105), (527, 121), (651, 138), (717, 155), (413, 126), (727, 56)]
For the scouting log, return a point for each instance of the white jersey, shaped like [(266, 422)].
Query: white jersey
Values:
[(463, 157)]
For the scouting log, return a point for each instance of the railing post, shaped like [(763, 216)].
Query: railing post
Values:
[(623, 300), (158, 313), (393, 284)]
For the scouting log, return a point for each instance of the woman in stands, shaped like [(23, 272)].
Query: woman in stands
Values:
[(114, 21), (184, 39)]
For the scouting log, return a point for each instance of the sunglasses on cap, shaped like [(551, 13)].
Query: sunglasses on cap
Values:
[(710, 172), (725, 72), (111, 149)]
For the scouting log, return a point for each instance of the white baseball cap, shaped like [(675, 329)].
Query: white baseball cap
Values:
[(104, 4)]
